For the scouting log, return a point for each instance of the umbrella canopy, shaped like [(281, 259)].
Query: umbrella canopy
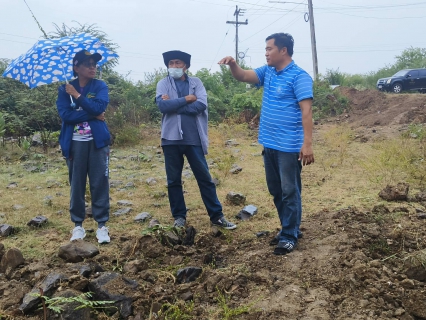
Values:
[(50, 60)]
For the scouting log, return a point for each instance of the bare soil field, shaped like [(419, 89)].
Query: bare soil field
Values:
[(360, 257)]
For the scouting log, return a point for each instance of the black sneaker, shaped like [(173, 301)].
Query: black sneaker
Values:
[(274, 241), (283, 248), (179, 223), (225, 224)]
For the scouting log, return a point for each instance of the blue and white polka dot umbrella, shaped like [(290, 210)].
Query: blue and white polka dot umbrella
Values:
[(50, 61)]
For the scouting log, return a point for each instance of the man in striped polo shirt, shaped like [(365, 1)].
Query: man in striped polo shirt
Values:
[(285, 131)]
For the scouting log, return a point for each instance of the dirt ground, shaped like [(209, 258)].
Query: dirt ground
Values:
[(353, 263)]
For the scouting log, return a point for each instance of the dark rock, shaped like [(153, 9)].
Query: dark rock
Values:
[(418, 210), (10, 260), (48, 286), (242, 215), (188, 274), (247, 212), (421, 216), (216, 232), (1, 250), (77, 251), (124, 203), (395, 193), (262, 234), (121, 212), (69, 310), (235, 198), (190, 236), (12, 185), (208, 258), (187, 296), (108, 287), (5, 230), (37, 221), (85, 270), (142, 217), (170, 238), (417, 273)]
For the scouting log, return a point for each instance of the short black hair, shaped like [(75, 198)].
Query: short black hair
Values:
[(282, 40)]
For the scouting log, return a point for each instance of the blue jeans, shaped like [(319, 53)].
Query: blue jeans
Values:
[(173, 156), (283, 171)]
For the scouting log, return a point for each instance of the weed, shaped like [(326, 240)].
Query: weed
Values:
[(417, 258), (227, 312), (177, 311), (56, 304), (338, 139), (380, 247)]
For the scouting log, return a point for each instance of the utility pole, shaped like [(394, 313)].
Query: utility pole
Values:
[(237, 13), (313, 40)]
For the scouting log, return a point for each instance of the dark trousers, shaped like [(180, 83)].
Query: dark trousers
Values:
[(283, 170), (173, 155), (88, 161)]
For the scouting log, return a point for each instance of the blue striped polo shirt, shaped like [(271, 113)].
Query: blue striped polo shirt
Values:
[(281, 118)]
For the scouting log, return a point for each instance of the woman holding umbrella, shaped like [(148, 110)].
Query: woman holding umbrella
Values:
[(85, 141)]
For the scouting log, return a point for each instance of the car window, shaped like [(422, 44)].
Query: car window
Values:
[(413, 73), (400, 73), (422, 73)]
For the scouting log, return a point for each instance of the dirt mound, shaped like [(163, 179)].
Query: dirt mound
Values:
[(374, 108)]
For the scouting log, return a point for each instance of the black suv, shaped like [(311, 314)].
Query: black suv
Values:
[(404, 80)]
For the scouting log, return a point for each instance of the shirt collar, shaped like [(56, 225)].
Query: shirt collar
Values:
[(291, 64)]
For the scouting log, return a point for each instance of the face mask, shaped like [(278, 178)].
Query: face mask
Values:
[(176, 73)]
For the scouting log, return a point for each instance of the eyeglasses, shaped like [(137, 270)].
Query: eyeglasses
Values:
[(89, 64)]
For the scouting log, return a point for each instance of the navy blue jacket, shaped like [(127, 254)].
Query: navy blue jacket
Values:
[(94, 100)]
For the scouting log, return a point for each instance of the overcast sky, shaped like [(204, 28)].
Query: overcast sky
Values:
[(356, 36)]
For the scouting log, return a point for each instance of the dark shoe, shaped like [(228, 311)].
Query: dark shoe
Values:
[(274, 241), (179, 223), (225, 224), (283, 248)]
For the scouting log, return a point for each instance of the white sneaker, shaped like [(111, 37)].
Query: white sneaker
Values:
[(78, 233), (102, 235)]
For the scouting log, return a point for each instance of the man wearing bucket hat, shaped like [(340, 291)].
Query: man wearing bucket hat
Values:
[(85, 141), (183, 102)]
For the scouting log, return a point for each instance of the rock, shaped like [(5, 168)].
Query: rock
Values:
[(151, 181), (190, 236), (170, 238), (115, 183), (247, 212), (36, 140), (113, 287), (216, 181), (187, 296), (48, 201), (69, 310), (122, 203), (122, 211), (10, 260), (37, 221), (262, 234), (5, 230), (216, 232), (135, 266), (77, 251), (421, 216), (18, 207), (48, 286), (235, 198), (142, 217), (153, 223), (395, 193), (129, 185), (231, 143), (187, 174), (188, 274), (85, 270), (12, 185), (235, 169)]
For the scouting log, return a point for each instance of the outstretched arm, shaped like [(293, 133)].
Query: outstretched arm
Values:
[(239, 73)]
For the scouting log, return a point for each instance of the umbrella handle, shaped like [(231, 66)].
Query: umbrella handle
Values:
[(72, 102)]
